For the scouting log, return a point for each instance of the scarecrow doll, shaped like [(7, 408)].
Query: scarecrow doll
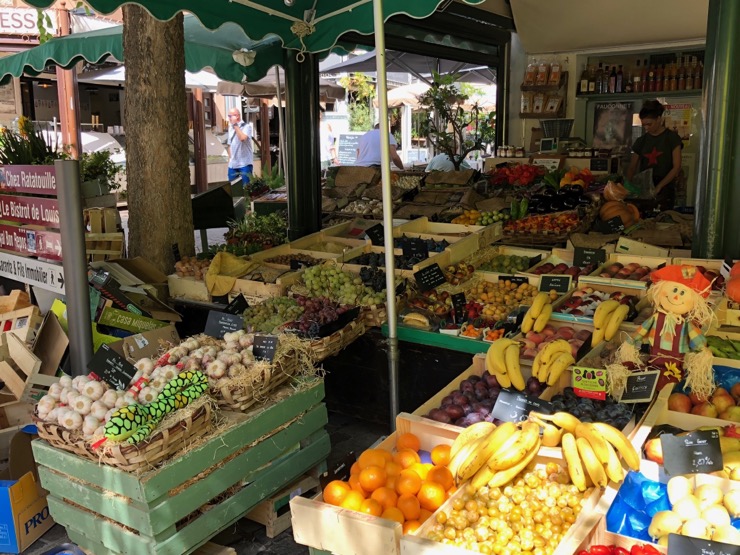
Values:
[(677, 344)]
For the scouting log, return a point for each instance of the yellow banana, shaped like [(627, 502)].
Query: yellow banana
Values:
[(564, 420), (620, 442), (493, 440), (613, 465), (597, 336), (503, 477), (528, 321), (599, 445), (615, 321), (508, 456), (471, 433), (496, 350), (551, 435), (537, 365), (558, 366), (591, 463), (478, 458), (573, 461), (543, 318), (482, 477), (539, 302), (513, 370), (462, 455), (550, 352), (602, 312)]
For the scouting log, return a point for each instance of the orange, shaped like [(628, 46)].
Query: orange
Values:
[(431, 495), (390, 482), (385, 496), (387, 454), (372, 477), (441, 455), (371, 507), (354, 470), (409, 505), (408, 441), (422, 469), (406, 457), (335, 492), (424, 515), (411, 526), (393, 513), (354, 483), (392, 468), (371, 457), (442, 476), (408, 482), (353, 501)]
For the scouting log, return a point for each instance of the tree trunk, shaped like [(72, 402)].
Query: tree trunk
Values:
[(157, 159)]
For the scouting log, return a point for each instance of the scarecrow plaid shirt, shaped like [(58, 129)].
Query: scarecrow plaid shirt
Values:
[(691, 339)]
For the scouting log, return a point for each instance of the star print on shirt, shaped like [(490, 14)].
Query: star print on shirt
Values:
[(652, 157)]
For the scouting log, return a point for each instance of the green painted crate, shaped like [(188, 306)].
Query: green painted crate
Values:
[(174, 509)]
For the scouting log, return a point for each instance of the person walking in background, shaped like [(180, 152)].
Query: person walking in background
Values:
[(368, 152), (328, 143), (239, 145)]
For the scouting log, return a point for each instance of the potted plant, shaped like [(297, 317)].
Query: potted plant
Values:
[(26, 146), (98, 173)]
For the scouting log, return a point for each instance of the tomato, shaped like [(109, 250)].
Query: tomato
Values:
[(600, 550), (648, 549), (620, 551)]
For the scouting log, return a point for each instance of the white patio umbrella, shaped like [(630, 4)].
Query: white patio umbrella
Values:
[(115, 76), (405, 95)]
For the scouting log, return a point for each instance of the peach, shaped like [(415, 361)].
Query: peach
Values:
[(735, 390), (548, 331), (720, 391), (566, 332), (696, 399), (529, 353), (705, 409), (732, 414), (654, 450), (723, 401), (534, 337), (529, 344), (679, 402)]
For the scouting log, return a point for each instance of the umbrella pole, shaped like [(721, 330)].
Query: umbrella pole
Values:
[(281, 134), (385, 173)]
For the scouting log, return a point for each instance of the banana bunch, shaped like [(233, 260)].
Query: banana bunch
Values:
[(591, 450), (608, 316), (552, 361), (538, 314), (502, 360), (493, 455)]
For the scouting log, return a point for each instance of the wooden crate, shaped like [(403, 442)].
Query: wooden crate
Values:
[(23, 323), (636, 290), (188, 288), (517, 251), (16, 300), (343, 532), (103, 241), (486, 234), (173, 509), (12, 419), (274, 512), (20, 372), (257, 291), (651, 262)]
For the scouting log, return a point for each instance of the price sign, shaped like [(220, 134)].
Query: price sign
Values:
[(297, 264), (613, 225), (589, 382), (265, 347), (237, 306), (415, 248), (693, 453), (430, 277), (458, 307), (640, 387), (514, 279), (111, 367), (219, 323), (686, 545), (515, 407), (583, 257), (560, 283), (376, 234)]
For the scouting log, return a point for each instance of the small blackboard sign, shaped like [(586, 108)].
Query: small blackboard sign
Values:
[(599, 164), (297, 264), (176, 252), (458, 307), (219, 323), (265, 347), (376, 234), (640, 387), (340, 471), (582, 257), (430, 277), (560, 283), (111, 367), (515, 407), (693, 453), (514, 279), (686, 545), (415, 248), (614, 225), (237, 306)]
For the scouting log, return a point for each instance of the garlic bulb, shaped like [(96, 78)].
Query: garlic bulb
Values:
[(61, 415), (79, 381), (146, 365), (65, 381), (148, 395), (53, 414), (64, 397), (169, 372), (191, 344), (89, 425), (93, 389), (98, 409), (236, 369), (176, 354), (216, 369), (72, 420), (110, 413), (71, 396), (246, 341), (109, 398), (82, 404), (55, 390)]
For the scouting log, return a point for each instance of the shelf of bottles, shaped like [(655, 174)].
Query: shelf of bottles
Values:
[(656, 75)]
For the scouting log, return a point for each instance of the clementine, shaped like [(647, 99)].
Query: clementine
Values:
[(372, 477), (352, 501), (371, 507), (354, 483), (411, 526), (408, 482), (424, 515), (393, 513), (431, 495), (422, 469), (406, 457), (371, 457), (409, 505), (386, 496), (441, 455), (335, 492), (441, 475), (408, 441)]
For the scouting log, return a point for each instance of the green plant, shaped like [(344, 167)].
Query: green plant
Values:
[(269, 230), (98, 165), (360, 117), (361, 92), (26, 146)]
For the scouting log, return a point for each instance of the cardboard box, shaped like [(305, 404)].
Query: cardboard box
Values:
[(23, 323), (141, 272), (630, 246), (60, 310), (128, 321), (132, 299), (148, 344)]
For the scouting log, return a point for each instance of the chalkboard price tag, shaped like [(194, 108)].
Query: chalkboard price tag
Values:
[(265, 347), (237, 306), (415, 248), (514, 279), (560, 283), (297, 264), (614, 225), (693, 453), (583, 257), (686, 545), (430, 277), (515, 407), (219, 323), (376, 234), (640, 387), (589, 382), (458, 306), (111, 367)]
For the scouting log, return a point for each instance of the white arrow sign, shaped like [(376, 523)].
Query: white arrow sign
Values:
[(32, 271)]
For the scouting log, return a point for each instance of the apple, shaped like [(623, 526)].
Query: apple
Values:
[(654, 450), (548, 331), (566, 332), (679, 402), (720, 391), (705, 409), (535, 337), (731, 413), (696, 399), (723, 401), (735, 390)]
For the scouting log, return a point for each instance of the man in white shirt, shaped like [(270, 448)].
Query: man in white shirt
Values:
[(368, 151), (239, 145), (442, 163)]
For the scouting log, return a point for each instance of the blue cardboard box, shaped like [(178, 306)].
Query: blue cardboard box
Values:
[(24, 513)]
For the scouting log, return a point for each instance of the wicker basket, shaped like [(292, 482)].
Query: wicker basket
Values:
[(329, 346), (375, 315), (161, 446)]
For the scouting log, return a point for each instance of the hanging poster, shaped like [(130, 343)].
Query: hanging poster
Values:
[(612, 124), (678, 118)]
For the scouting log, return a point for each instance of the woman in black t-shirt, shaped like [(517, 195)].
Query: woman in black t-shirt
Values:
[(660, 149)]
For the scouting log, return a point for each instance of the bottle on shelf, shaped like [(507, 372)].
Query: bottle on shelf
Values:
[(613, 80), (628, 88), (673, 77), (583, 84), (599, 78), (591, 80), (690, 68), (644, 77), (605, 80), (650, 85), (698, 75), (619, 85), (636, 83), (659, 78), (681, 79)]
